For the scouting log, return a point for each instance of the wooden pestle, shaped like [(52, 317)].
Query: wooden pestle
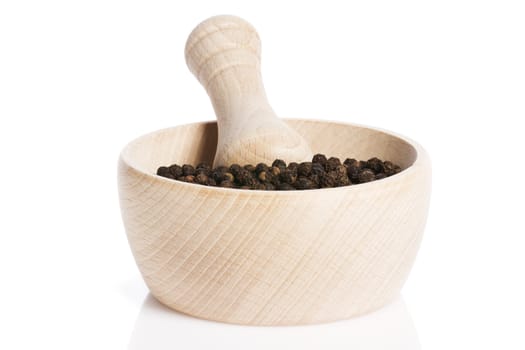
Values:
[(224, 54)]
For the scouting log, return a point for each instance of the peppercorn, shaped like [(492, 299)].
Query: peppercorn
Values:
[(351, 161), (204, 171), (221, 176), (279, 163), (389, 168), (268, 186), (203, 168), (320, 173), (329, 179), (316, 180), (226, 184), (353, 172), (304, 183), (289, 176), (340, 170), (222, 168), (293, 166), (189, 178), (201, 178), (163, 171), (260, 168), (304, 169), (342, 180), (285, 187), (319, 159), (260, 186), (375, 165), (317, 169), (245, 178), (366, 175), (228, 176), (332, 163), (250, 168), (265, 176), (276, 171), (176, 170), (235, 169), (217, 175), (188, 170)]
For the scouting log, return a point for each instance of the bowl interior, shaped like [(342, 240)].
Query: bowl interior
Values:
[(195, 143)]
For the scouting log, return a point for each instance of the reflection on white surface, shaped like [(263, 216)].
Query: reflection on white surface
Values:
[(158, 327)]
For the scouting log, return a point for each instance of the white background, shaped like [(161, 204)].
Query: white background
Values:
[(79, 79)]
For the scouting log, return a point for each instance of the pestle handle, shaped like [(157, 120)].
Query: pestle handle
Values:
[(223, 53)]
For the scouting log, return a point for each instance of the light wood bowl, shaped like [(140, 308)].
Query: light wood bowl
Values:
[(274, 257)]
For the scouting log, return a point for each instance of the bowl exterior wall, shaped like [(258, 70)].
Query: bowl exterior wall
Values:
[(267, 258)]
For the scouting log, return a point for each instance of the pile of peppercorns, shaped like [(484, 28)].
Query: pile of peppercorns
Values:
[(319, 173)]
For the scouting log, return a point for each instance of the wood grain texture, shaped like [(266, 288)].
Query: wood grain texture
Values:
[(272, 257), (224, 54)]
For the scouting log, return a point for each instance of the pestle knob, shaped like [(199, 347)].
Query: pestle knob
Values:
[(224, 54)]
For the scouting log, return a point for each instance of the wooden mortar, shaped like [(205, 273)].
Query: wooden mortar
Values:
[(274, 257)]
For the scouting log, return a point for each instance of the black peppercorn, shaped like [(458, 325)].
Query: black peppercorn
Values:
[(260, 168), (353, 172), (329, 179), (279, 163), (304, 169), (375, 165), (389, 168), (268, 186), (285, 187), (317, 169), (201, 178), (316, 180), (293, 166), (250, 168), (188, 170), (340, 170), (228, 176), (203, 165), (227, 184), (304, 183), (189, 178), (366, 175), (245, 178), (265, 176), (320, 173), (289, 176), (342, 180), (235, 169), (163, 171), (332, 163), (260, 186), (351, 161), (276, 171), (319, 159), (176, 170)]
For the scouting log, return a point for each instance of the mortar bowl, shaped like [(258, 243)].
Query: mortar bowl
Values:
[(274, 257)]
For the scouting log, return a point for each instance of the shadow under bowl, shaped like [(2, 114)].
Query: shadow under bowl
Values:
[(274, 257)]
